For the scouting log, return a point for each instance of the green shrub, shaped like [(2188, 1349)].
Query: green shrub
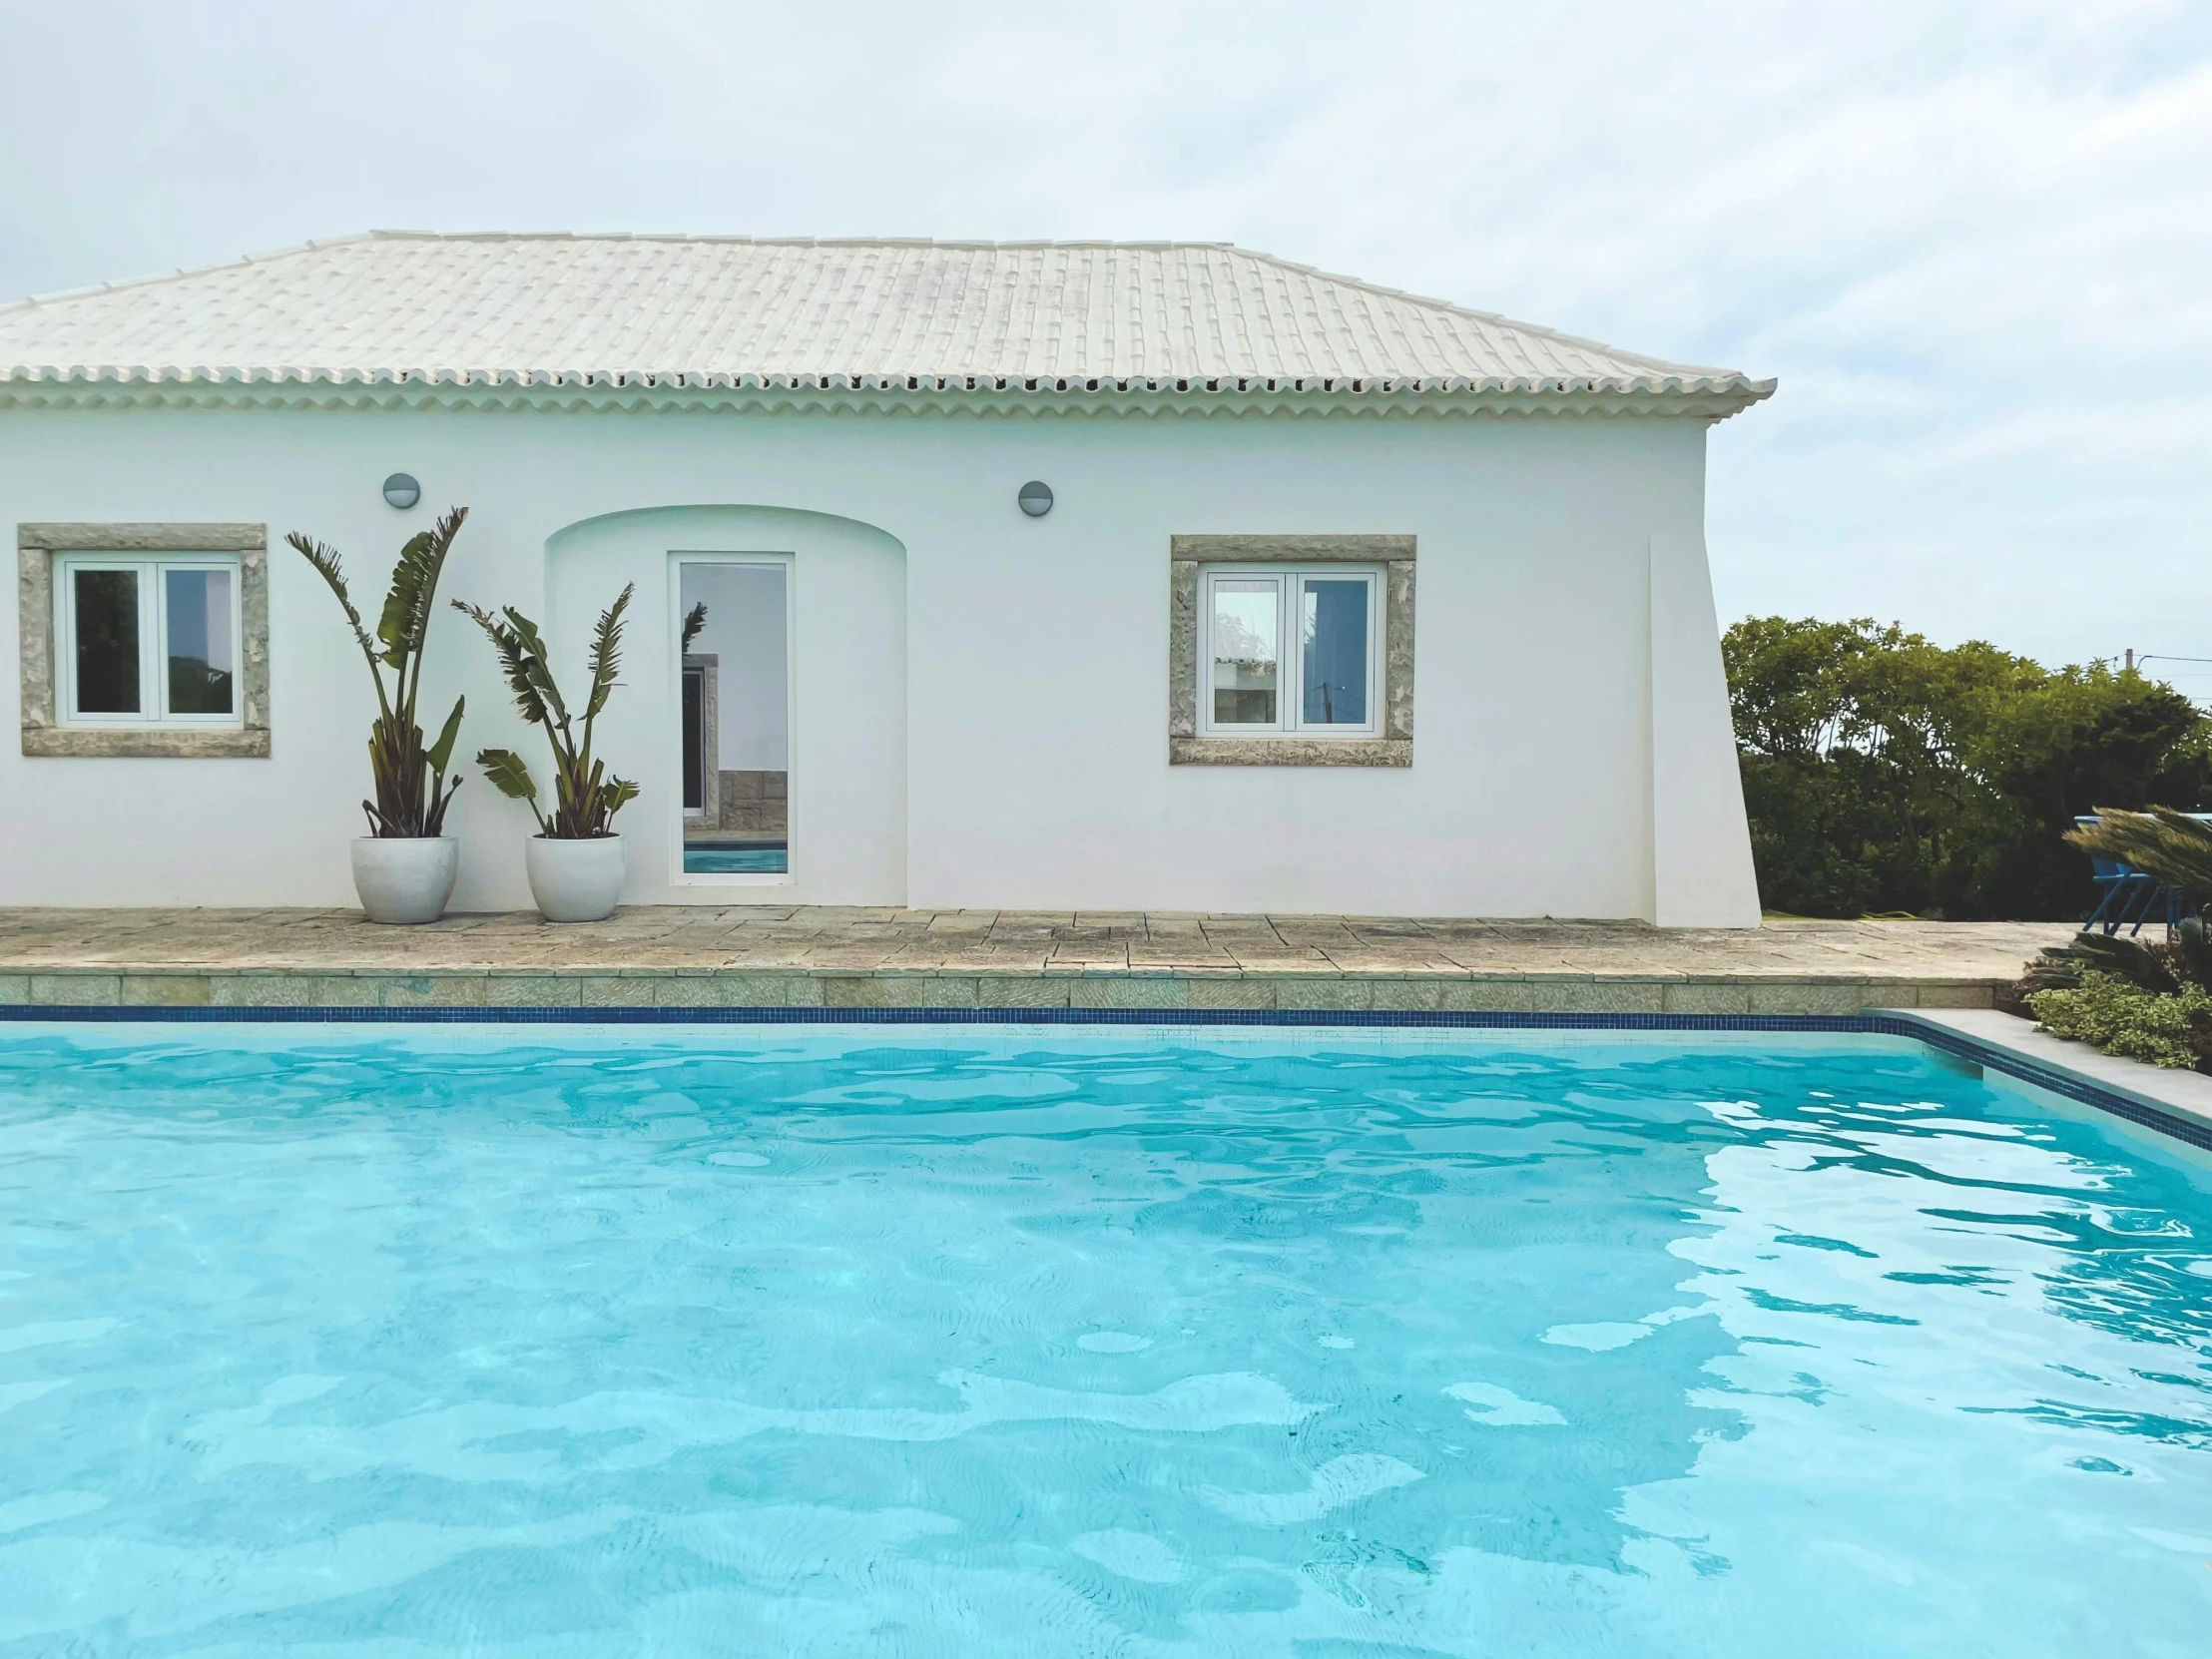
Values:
[(2165, 1028)]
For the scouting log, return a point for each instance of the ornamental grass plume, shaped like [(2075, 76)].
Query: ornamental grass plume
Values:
[(2170, 844)]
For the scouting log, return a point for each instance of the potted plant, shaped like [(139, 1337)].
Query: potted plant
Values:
[(575, 860), (404, 868)]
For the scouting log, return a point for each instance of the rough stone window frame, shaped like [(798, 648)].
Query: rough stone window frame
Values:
[(43, 734), (1393, 747)]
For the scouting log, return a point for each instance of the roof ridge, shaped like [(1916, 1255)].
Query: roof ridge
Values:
[(963, 244)]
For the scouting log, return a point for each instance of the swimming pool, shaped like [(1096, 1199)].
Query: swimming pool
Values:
[(1333, 1345), (736, 858)]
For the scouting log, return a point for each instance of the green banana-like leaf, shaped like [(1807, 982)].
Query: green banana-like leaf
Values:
[(538, 665), (400, 625), (326, 564), (415, 585), (508, 773), (526, 675), (409, 802), (522, 671), (584, 796), (548, 696), (605, 652), (533, 643), (441, 752)]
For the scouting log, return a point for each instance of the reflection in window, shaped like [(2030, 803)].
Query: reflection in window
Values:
[(735, 717), (1290, 650), (695, 739), (1246, 649), (106, 613), (1332, 651), (200, 648), (148, 641)]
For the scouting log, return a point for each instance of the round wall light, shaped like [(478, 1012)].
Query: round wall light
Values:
[(1035, 498), (401, 491)]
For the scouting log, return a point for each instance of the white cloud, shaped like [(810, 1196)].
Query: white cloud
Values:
[(1972, 238)]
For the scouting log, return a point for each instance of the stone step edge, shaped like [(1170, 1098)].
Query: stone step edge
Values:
[(105, 986)]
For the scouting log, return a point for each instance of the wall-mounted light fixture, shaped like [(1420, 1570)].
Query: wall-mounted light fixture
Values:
[(401, 491), (1035, 498)]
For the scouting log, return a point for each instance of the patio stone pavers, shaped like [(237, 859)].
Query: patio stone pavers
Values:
[(849, 956)]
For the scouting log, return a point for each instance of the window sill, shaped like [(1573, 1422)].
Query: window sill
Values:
[(1290, 752), (148, 743)]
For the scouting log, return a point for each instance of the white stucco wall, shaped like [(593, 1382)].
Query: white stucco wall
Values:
[(979, 698)]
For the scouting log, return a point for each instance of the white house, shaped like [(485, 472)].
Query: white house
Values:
[(1059, 576)]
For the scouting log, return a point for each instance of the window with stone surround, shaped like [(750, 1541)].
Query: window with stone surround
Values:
[(1291, 651), (143, 639)]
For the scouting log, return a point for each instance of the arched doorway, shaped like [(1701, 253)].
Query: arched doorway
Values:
[(785, 781)]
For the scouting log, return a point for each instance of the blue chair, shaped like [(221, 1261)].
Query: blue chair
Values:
[(2130, 897)]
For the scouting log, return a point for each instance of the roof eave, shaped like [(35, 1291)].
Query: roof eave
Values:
[(1712, 396)]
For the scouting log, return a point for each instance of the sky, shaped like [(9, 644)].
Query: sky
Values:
[(1973, 241)]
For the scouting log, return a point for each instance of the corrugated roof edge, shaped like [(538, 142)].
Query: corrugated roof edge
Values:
[(863, 395)]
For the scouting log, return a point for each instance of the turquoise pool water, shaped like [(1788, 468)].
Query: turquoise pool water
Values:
[(760, 859), (947, 1342)]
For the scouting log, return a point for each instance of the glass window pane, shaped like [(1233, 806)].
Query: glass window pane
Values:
[(1246, 649), (735, 716), (105, 607), (1334, 645), (200, 650)]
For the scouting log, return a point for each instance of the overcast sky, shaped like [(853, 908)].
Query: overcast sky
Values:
[(1973, 241)]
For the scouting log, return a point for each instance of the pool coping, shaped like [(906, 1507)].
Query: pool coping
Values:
[(2031, 1051), (2178, 1104)]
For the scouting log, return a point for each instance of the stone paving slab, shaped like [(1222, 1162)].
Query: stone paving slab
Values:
[(833, 957)]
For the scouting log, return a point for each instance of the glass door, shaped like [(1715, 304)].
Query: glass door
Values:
[(735, 627)]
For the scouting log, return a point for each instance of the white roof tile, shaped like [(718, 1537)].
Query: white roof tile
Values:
[(681, 312)]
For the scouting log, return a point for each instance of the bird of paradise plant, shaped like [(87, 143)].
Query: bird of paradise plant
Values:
[(412, 790), (585, 796)]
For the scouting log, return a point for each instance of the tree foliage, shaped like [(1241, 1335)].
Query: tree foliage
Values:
[(1883, 772)]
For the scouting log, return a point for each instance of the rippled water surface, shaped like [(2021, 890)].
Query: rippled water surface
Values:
[(1328, 1346)]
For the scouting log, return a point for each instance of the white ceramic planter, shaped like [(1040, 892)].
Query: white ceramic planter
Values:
[(575, 881), (405, 880)]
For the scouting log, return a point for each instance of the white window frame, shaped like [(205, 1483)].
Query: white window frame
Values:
[(1290, 582), (152, 598)]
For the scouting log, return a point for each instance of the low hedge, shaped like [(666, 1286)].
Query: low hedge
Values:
[(2166, 1028)]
